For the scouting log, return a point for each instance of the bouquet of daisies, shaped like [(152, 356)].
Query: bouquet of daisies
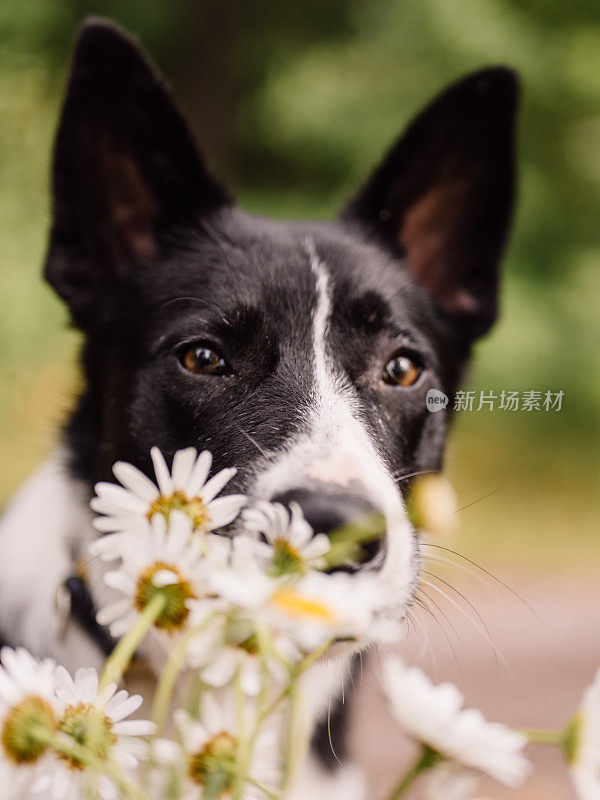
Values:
[(232, 624)]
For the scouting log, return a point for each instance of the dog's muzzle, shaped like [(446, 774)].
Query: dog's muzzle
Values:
[(328, 509)]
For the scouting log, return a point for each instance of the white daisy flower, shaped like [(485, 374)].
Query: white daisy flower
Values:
[(165, 775), (582, 744), (97, 720), (26, 699), (306, 610), (211, 750), (243, 582), (323, 606), (433, 716), (185, 488), (230, 646), (290, 545), (158, 559)]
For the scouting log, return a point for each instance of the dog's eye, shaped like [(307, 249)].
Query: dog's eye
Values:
[(203, 360), (401, 371)]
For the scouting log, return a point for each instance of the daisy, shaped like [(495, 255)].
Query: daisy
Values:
[(582, 744), (302, 610), (158, 560), (97, 720), (185, 488), (433, 716), (213, 749), (27, 699), (323, 606), (290, 545), (244, 583), (165, 774), (229, 646)]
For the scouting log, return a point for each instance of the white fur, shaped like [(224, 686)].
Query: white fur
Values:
[(40, 533)]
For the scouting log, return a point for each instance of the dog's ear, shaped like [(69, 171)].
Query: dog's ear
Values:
[(443, 196), (125, 169)]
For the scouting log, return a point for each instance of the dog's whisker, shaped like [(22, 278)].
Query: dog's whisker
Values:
[(463, 597), (483, 579), (184, 299), (253, 441), (484, 631), (488, 573), (329, 734), (350, 673), (478, 500), (412, 622), (423, 600), (445, 616), (400, 476)]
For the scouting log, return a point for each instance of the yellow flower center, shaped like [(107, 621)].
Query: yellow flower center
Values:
[(175, 612), (90, 728), (286, 559), (241, 635), (18, 737), (213, 767), (195, 508), (298, 606)]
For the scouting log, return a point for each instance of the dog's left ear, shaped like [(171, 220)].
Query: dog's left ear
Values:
[(443, 196), (125, 169)]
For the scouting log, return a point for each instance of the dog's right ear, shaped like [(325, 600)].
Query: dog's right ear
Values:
[(125, 169), (443, 197)]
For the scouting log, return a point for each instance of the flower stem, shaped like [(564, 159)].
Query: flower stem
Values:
[(243, 753), (72, 749), (426, 759), (543, 736), (292, 744), (119, 659), (170, 673), (296, 673), (263, 789)]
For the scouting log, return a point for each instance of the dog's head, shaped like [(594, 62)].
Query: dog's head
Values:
[(301, 353)]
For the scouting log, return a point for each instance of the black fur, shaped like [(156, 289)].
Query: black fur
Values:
[(151, 254)]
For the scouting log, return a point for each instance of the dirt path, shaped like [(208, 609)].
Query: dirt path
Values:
[(543, 664)]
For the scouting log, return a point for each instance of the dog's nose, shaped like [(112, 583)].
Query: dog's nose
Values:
[(326, 510)]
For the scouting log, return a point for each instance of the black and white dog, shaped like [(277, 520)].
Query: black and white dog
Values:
[(301, 353)]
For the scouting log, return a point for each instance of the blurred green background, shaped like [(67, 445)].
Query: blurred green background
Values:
[(293, 103)]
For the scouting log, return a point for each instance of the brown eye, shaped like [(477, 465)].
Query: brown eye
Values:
[(401, 371), (202, 360)]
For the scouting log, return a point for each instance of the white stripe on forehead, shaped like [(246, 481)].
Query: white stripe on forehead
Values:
[(320, 318), (333, 393)]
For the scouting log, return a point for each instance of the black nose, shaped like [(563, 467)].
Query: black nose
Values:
[(326, 510)]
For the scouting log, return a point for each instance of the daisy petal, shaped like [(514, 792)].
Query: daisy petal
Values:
[(120, 498), (183, 464), (199, 473), (122, 705), (135, 480), (134, 727), (110, 613), (212, 488), (224, 510), (161, 471)]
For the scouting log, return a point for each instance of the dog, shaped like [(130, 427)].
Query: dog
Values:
[(299, 352)]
